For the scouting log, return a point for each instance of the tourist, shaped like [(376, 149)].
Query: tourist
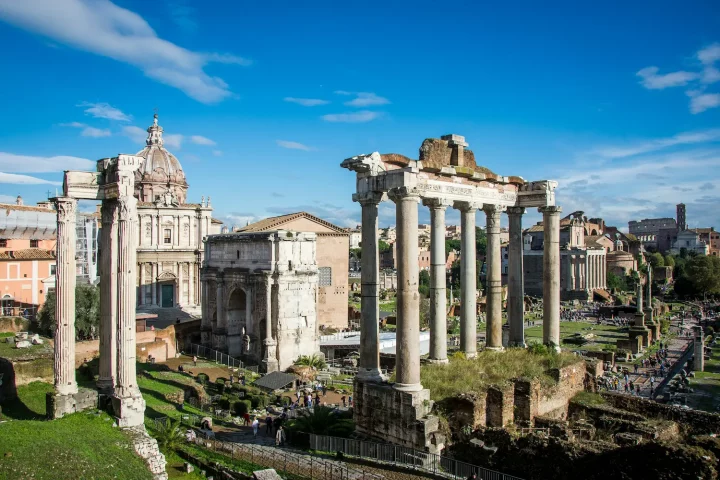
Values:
[(246, 418), (343, 400), (652, 381), (636, 367), (280, 437), (255, 426), (317, 399), (181, 368), (268, 424), (637, 389), (350, 400), (194, 361)]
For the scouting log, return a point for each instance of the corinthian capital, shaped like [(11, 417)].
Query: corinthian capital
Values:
[(468, 206), (515, 210), (493, 210), (437, 203), (368, 198), (66, 209), (399, 193), (127, 208), (550, 210)]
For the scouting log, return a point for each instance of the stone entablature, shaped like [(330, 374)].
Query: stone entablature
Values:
[(445, 175), (247, 275)]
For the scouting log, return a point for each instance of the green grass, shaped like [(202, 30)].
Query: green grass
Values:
[(589, 399), (475, 375), (706, 385), (79, 446), (606, 336), (175, 467), (8, 350), (6, 334), (236, 464)]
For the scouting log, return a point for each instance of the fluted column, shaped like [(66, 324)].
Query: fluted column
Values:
[(369, 363), (438, 300), (494, 280), (516, 280), (551, 276), (65, 272), (108, 296), (468, 279), (407, 365)]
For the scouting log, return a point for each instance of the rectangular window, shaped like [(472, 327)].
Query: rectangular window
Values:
[(34, 243), (167, 235), (52, 269), (325, 276), (3, 243)]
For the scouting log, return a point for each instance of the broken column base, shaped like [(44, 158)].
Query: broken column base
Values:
[(147, 448), (58, 406), (403, 418), (129, 411)]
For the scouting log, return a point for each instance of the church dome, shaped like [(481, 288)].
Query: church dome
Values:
[(161, 172)]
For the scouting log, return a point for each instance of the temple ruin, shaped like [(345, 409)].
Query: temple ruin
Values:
[(445, 175)]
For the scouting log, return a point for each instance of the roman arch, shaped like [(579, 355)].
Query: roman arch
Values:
[(445, 175), (113, 184)]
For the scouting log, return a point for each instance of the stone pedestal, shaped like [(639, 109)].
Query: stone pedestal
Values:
[(398, 417), (57, 406), (270, 361)]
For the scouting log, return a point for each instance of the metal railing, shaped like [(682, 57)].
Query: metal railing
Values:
[(220, 357), (405, 457)]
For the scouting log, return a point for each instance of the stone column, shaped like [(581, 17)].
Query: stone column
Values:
[(191, 284), (516, 278), (65, 273), (270, 359), (369, 363), (699, 349), (468, 279), (438, 300), (551, 276), (407, 366), (108, 296), (153, 283), (494, 280), (128, 402), (180, 299)]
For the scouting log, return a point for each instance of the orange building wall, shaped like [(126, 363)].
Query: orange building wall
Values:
[(21, 279)]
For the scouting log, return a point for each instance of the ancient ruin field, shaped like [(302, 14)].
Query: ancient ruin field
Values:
[(599, 337)]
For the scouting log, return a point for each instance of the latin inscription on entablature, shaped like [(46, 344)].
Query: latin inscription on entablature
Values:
[(468, 192), (241, 252)]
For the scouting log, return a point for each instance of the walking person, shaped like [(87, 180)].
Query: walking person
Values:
[(194, 361), (255, 427), (268, 424), (280, 437)]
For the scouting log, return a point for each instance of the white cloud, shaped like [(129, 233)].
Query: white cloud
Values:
[(88, 131), (709, 54), (684, 138), (136, 134), (699, 102), (293, 145), (10, 162), (367, 99), (710, 75), (105, 29), (355, 117), (24, 180), (306, 102), (173, 141), (102, 110), (652, 81), (200, 140), (217, 153)]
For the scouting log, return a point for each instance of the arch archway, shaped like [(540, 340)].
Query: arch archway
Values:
[(236, 307)]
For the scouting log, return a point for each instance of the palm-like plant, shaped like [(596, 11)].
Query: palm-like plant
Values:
[(322, 421), (316, 361), (169, 434)]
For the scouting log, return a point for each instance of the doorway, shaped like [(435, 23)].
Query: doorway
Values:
[(168, 300)]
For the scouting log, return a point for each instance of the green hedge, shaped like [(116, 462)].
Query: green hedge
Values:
[(241, 407), (202, 378)]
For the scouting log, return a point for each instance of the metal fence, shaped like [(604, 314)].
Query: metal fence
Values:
[(220, 357), (405, 457)]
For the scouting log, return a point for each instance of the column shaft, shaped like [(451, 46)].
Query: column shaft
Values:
[(369, 364), (407, 365), (438, 299), (220, 301), (516, 287), (153, 283), (65, 272), (180, 300), (494, 281), (468, 279), (127, 260), (108, 296), (551, 276)]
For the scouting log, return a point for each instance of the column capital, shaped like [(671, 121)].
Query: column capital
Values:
[(66, 209), (550, 210), (127, 208), (515, 210), (399, 193), (437, 203), (465, 206), (492, 209), (371, 198)]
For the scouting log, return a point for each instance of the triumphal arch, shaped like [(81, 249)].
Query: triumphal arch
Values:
[(114, 185), (445, 175)]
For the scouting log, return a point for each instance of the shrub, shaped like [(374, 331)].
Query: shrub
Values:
[(316, 361), (258, 401), (241, 407), (224, 402), (285, 401), (202, 378), (169, 434), (664, 326), (538, 349), (710, 331)]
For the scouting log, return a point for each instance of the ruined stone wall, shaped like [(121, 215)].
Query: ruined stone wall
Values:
[(692, 421), (533, 265), (500, 405), (397, 417), (332, 252)]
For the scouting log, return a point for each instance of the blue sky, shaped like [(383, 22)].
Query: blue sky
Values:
[(261, 101)]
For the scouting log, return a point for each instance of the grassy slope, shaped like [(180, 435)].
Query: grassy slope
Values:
[(82, 446), (463, 375), (8, 350)]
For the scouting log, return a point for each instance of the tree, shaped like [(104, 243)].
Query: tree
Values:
[(384, 246), (424, 287), (704, 274), (451, 245), (669, 261), (356, 252), (656, 260), (87, 312), (480, 241)]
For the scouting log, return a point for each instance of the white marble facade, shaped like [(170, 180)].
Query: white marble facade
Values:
[(170, 232), (249, 278)]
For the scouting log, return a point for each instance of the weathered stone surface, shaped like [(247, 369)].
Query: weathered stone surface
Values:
[(147, 448), (269, 474), (23, 344), (58, 406)]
